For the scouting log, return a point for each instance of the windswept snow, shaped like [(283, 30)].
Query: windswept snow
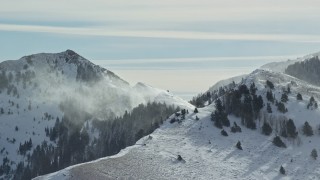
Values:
[(226, 82), (206, 154), (281, 66), (150, 94), (209, 155), (36, 105)]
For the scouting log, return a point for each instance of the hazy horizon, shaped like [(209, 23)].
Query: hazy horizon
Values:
[(184, 47), (185, 77)]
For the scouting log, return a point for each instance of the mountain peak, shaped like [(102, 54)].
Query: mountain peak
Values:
[(70, 56), (68, 62), (71, 52), (73, 56)]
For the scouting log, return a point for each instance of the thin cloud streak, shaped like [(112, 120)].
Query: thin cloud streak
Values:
[(165, 10), (197, 59), (98, 31)]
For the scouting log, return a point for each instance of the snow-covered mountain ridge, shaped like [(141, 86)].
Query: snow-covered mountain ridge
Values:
[(206, 154), (282, 65), (40, 91), (209, 155)]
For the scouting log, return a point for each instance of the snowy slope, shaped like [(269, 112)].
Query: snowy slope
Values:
[(281, 66), (297, 110), (40, 83), (209, 155), (226, 82), (150, 94)]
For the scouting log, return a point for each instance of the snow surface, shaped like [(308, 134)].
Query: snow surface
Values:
[(206, 154), (209, 155), (150, 94), (51, 86), (226, 82)]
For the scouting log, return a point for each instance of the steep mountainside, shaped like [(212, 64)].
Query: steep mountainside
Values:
[(264, 127), (42, 94)]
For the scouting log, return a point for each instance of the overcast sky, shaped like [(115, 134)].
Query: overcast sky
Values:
[(181, 45)]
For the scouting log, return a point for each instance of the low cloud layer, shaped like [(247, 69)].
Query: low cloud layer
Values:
[(162, 34)]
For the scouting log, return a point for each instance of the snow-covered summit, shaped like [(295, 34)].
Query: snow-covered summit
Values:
[(39, 59), (70, 64)]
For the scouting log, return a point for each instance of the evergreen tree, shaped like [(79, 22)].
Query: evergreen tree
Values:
[(139, 134), (183, 111), (179, 158), (288, 90), (253, 89), (243, 89), (27, 174), (307, 129), (224, 133), (291, 129), (200, 100), (314, 154), (312, 99), (312, 104), (195, 110), (278, 142), (281, 107), (225, 121), (270, 84), (219, 116), (282, 171), (270, 96), (53, 134), (216, 119), (299, 97), (257, 104), (284, 97), (269, 110), (218, 105), (266, 129), (235, 128), (247, 112), (238, 145)]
